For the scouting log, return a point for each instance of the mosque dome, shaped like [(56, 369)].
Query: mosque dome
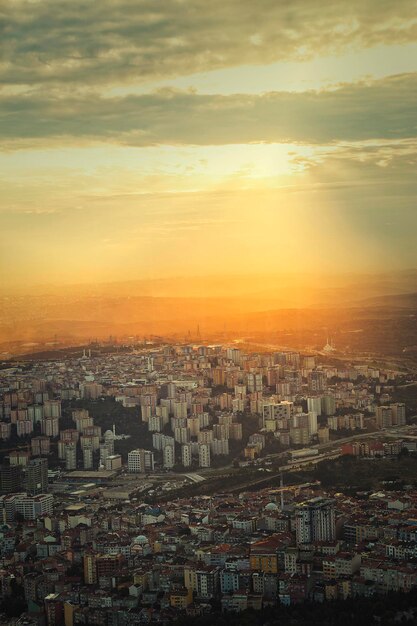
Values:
[(141, 539), (271, 506)]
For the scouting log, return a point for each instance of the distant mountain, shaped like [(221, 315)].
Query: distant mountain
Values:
[(399, 300), (213, 304), (289, 289)]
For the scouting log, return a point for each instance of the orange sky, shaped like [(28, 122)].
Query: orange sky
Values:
[(234, 138)]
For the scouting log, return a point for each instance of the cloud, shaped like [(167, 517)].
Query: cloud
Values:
[(131, 41), (342, 210), (382, 109)]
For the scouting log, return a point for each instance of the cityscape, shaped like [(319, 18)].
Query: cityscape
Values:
[(144, 483), (208, 307)]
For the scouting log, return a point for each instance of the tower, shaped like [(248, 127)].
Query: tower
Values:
[(37, 476), (315, 521)]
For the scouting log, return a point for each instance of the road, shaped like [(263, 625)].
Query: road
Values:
[(397, 431)]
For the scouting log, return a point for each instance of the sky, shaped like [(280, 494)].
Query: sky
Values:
[(147, 139)]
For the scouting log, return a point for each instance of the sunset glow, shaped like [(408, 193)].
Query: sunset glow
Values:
[(254, 146)]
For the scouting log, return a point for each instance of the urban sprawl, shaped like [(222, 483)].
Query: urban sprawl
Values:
[(146, 483)]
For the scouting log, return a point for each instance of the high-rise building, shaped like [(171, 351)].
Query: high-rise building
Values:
[(204, 455), (308, 361), (104, 453), (40, 446), (69, 434), (88, 458), (180, 409), (30, 507), (323, 434), (5, 430), (384, 417), (90, 391), (149, 460), (328, 405), (19, 457), (312, 422), (398, 414), (52, 408), (233, 354), (36, 476), (136, 461), (155, 423), (221, 431), (315, 521), (219, 447), (169, 456), (82, 419), (277, 410), (205, 436), (140, 461), (317, 381), (71, 455), (182, 435), (193, 424), (314, 404), (254, 381), (186, 456), (235, 431), (50, 426), (145, 412), (11, 477), (300, 435), (90, 568), (171, 390)]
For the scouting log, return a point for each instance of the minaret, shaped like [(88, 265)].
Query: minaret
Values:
[(281, 483), (114, 430)]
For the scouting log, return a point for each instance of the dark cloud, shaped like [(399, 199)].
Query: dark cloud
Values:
[(86, 42), (383, 109)]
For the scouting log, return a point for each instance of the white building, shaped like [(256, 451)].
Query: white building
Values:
[(314, 405), (186, 455), (155, 423), (312, 423), (50, 426), (168, 456), (204, 455), (52, 408), (205, 436), (180, 410), (88, 458), (30, 507), (277, 410), (315, 521), (182, 435), (140, 461), (71, 455), (219, 447)]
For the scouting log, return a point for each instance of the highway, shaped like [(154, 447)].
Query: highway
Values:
[(396, 431)]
